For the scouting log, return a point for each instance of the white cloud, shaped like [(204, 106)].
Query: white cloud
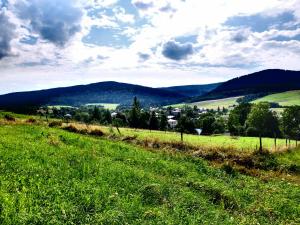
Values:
[(219, 52)]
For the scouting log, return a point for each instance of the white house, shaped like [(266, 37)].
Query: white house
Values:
[(172, 123)]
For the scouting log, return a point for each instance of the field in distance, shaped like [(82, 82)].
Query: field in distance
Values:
[(283, 99)]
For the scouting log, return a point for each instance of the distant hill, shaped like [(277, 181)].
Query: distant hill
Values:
[(192, 90), (267, 81), (103, 92)]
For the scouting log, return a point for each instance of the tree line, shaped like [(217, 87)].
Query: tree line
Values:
[(246, 119)]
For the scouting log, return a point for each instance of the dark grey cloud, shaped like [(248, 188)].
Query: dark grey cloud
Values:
[(54, 20), (144, 56), (6, 34), (143, 5), (167, 8), (176, 51), (239, 37)]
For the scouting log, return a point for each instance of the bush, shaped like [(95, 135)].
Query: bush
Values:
[(9, 118), (72, 128), (31, 120), (229, 169), (97, 132), (55, 124)]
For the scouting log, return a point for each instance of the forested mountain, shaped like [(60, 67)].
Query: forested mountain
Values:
[(103, 92), (267, 81), (193, 90)]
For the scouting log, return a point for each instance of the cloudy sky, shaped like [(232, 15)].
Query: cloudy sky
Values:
[(50, 43)]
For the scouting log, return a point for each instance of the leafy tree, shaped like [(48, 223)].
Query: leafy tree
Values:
[(290, 122), (263, 120), (206, 122), (144, 120), (153, 122), (237, 118), (219, 126), (185, 125)]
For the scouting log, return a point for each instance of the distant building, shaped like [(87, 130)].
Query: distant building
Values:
[(170, 117), (114, 114), (172, 123), (176, 112)]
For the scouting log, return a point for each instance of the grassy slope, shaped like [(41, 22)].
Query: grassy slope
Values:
[(214, 104), (52, 176), (211, 104), (284, 99)]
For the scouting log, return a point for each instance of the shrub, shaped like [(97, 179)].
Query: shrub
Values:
[(55, 124), (72, 128), (31, 120), (9, 118), (96, 132), (229, 169)]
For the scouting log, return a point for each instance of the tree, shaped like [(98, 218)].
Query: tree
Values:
[(134, 114), (163, 123), (144, 120), (206, 122), (153, 122), (290, 122), (219, 126), (107, 117), (237, 118), (96, 114), (185, 125), (117, 122), (263, 120)]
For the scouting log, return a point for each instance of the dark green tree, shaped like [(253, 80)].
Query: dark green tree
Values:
[(153, 122), (134, 114), (263, 120), (237, 118), (185, 125), (290, 123), (163, 122)]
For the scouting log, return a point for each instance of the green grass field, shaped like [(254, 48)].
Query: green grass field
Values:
[(50, 176), (211, 104), (284, 99), (237, 143), (105, 105), (214, 104)]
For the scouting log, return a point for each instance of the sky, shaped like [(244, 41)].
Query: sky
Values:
[(157, 43)]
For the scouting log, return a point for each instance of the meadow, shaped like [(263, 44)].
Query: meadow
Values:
[(284, 99), (216, 141), (288, 98), (51, 176)]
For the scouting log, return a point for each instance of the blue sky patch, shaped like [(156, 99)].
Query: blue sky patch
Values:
[(107, 37), (260, 23)]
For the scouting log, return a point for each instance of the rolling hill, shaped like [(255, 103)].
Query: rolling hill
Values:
[(103, 92), (267, 81), (193, 90)]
